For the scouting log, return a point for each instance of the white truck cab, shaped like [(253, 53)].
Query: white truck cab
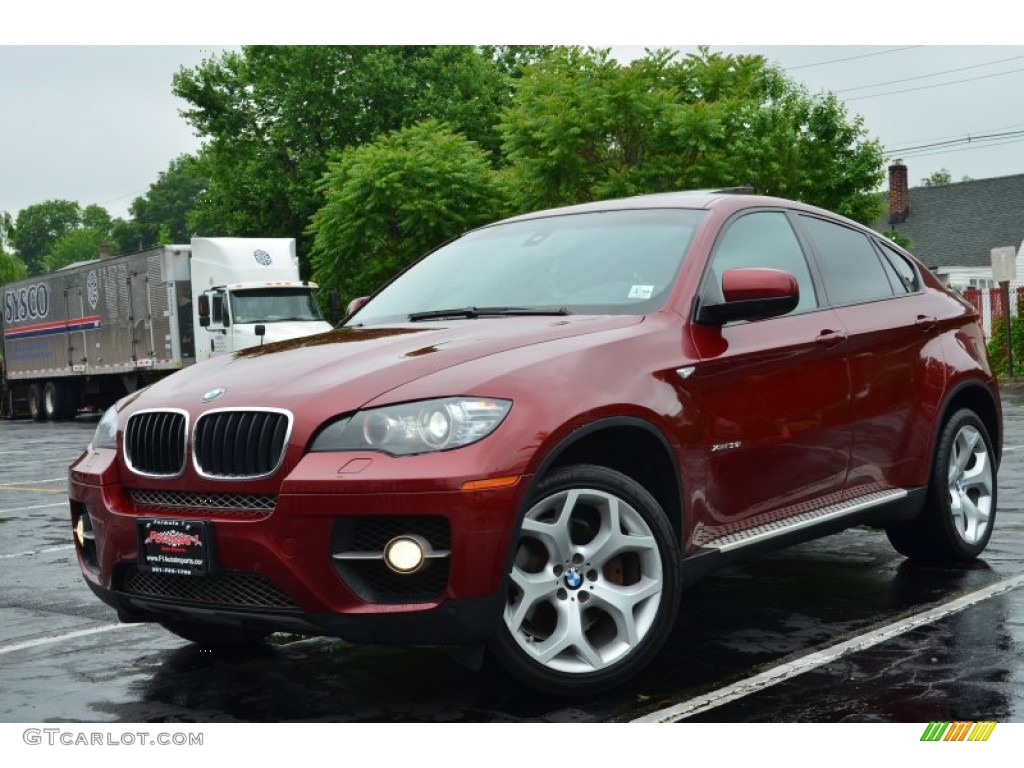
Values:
[(248, 293)]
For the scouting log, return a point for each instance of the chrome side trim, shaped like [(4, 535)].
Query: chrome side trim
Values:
[(808, 519)]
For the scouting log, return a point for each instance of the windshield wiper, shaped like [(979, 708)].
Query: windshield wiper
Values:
[(472, 312)]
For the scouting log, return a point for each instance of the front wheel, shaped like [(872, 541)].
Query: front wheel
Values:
[(594, 585), (960, 508)]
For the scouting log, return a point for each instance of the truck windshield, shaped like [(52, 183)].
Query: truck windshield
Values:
[(610, 262), (273, 305)]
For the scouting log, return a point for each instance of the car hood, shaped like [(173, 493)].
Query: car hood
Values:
[(348, 367)]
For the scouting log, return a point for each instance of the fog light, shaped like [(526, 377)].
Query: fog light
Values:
[(405, 554)]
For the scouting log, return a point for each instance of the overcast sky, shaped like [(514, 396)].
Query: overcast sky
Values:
[(97, 124)]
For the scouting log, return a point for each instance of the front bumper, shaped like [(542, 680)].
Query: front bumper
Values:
[(274, 567)]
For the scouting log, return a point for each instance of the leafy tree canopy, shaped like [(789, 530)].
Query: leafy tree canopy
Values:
[(11, 267), (272, 116), (39, 226), (391, 201), (81, 244), (584, 127), (941, 177), (164, 208)]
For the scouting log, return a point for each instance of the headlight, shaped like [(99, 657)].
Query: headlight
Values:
[(409, 428), (105, 435)]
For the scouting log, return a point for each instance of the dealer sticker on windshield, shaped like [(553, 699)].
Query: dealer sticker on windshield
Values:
[(641, 291), (175, 547)]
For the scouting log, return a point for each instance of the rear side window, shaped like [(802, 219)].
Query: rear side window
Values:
[(903, 274), (764, 239), (850, 266)]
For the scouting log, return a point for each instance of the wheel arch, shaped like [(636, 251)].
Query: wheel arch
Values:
[(632, 446), (979, 398)]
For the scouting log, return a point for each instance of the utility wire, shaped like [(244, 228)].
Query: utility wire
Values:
[(978, 138), (932, 74), (936, 85), (852, 58), (962, 149)]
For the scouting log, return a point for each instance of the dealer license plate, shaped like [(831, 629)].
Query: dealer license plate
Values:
[(177, 547)]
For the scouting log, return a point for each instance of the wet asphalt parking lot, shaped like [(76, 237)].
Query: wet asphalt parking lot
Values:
[(838, 630)]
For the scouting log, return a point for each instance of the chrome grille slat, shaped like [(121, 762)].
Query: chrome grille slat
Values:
[(154, 443), (240, 443)]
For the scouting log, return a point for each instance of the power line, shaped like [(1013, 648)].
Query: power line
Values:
[(852, 58), (965, 149), (936, 85), (969, 138), (932, 74)]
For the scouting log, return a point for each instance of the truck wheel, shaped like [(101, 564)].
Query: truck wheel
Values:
[(54, 406), (594, 587), (35, 402)]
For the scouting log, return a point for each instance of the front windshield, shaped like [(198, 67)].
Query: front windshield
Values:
[(273, 305), (609, 262)]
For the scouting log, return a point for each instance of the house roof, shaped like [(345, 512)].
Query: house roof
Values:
[(959, 224)]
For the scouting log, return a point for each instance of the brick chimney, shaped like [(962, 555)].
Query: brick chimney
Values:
[(899, 193)]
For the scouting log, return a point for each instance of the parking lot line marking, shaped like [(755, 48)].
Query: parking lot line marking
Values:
[(29, 482), (61, 548), (65, 636), (34, 506), (30, 489), (783, 672)]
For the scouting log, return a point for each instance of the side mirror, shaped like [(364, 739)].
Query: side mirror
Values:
[(752, 293), (203, 308), (355, 305)]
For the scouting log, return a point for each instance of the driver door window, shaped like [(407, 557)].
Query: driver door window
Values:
[(763, 239)]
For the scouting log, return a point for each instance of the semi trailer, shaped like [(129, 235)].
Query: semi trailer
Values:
[(88, 334)]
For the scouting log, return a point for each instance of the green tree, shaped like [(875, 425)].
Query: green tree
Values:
[(11, 267), (272, 115), (81, 244), (585, 127), (39, 226), (903, 241), (165, 208), (390, 201), (937, 179)]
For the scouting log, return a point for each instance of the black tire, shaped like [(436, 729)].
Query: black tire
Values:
[(214, 635), (54, 401), (599, 606), (960, 508), (35, 402)]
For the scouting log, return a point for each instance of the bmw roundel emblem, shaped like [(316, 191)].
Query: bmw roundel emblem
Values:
[(573, 578), (213, 394)]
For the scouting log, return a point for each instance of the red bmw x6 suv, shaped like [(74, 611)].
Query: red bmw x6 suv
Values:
[(534, 437)]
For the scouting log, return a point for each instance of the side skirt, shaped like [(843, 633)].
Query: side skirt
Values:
[(875, 509)]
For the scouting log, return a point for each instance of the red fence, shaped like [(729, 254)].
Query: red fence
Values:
[(991, 305)]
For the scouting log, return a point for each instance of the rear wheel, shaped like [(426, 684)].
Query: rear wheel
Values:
[(35, 402), (54, 401), (214, 634), (960, 508), (594, 586)]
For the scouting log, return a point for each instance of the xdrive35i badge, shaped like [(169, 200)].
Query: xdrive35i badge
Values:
[(213, 394)]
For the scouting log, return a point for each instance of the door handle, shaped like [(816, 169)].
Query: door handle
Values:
[(830, 338), (926, 322)]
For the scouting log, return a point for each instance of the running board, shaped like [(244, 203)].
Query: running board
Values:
[(790, 525)]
